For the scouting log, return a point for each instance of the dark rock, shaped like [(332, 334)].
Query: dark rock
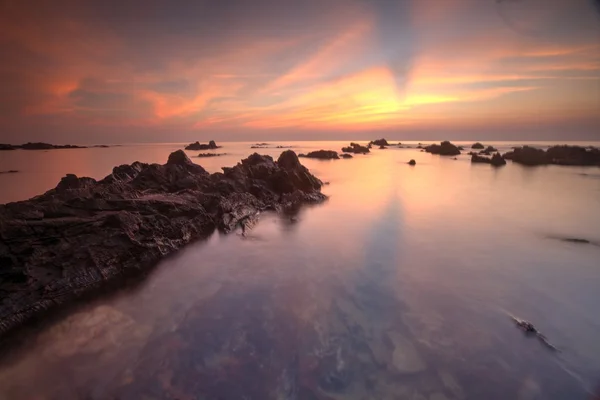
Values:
[(382, 147), (461, 148), (10, 171), (419, 146), (202, 155), (283, 147), (344, 155), (379, 142), (4, 146), (496, 160), (444, 149), (322, 155), (47, 146), (557, 155), (85, 233), (201, 146), (356, 148), (478, 146), (412, 162), (576, 240)]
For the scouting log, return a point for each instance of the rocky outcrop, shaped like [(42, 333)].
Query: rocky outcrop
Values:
[(86, 233), (379, 142), (322, 155), (495, 161), (4, 146), (488, 151), (478, 146), (557, 155), (412, 162), (444, 149), (201, 146), (356, 148), (345, 155)]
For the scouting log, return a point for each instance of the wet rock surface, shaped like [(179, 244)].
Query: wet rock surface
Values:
[(445, 148), (356, 148), (202, 146), (85, 233), (556, 155), (321, 155)]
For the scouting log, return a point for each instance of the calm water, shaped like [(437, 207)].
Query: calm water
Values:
[(399, 287)]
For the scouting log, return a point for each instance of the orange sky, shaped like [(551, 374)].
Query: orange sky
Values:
[(133, 71)]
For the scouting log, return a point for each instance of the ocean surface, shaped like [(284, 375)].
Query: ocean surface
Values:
[(400, 286)]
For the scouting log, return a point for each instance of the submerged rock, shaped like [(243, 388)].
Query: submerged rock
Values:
[(445, 148), (322, 155), (203, 155), (85, 233), (201, 146), (356, 148)]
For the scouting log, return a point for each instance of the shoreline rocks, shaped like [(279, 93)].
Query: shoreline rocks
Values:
[(555, 155), (445, 148), (86, 234), (321, 155), (201, 146)]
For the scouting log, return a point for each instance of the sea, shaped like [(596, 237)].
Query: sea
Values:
[(402, 285)]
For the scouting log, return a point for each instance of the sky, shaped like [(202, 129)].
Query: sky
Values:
[(125, 71)]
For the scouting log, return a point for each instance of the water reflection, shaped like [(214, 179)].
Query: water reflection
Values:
[(397, 287)]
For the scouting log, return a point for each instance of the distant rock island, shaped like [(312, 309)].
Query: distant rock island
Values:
[(496, 160), (356, 148), (445, 148), (45, 146), (205, 155), (201, 146), (322, 155), (556, 155), (85, 233)]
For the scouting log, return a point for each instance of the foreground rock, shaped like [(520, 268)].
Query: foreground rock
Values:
[(201, 146), (496, 160), (379, 142), (356, 149), (557, 155), (322, 155), (85, 233), (443, 149)]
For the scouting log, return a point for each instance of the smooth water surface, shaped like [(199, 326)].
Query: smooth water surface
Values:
[(399, 287)]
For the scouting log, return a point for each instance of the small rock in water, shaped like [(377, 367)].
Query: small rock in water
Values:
[(412, 162)]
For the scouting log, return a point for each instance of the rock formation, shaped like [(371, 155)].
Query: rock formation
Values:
[(477, 146), (379, 142), (496, 160), (356, 148), (557, 155), (201, 146), (444, 149), (85, 233), (322, 155)]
